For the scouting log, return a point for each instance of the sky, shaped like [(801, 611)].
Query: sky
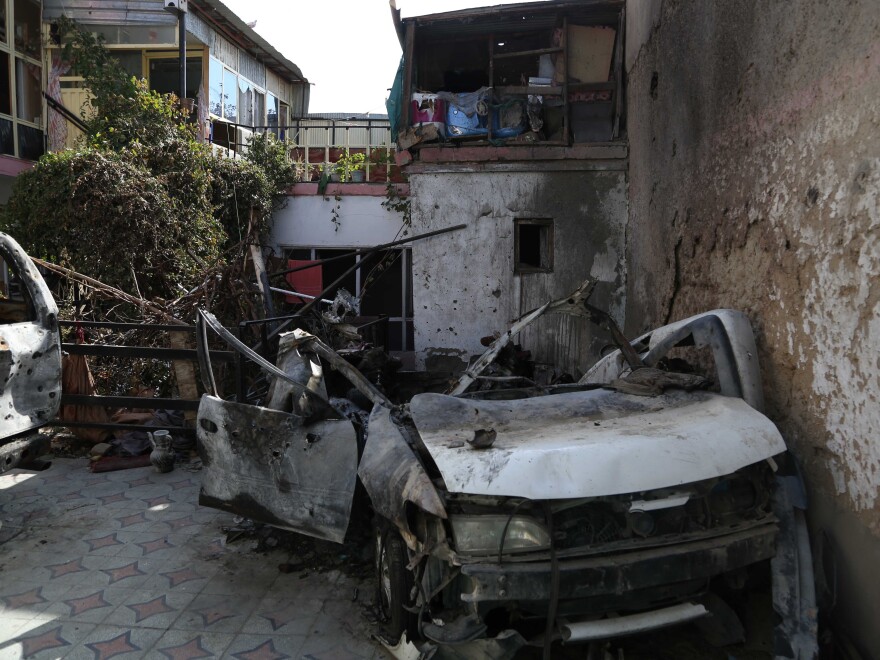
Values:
[(347, 49)]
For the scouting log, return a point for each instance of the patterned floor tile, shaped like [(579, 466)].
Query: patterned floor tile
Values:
[(283, 617), (106, 642), (234, 584), (102, 543), (66, 568), (124, 572), (216, 613), (127, 565), (259, 647), (331, 637), (45, 640), (337, 646), (87, 605), (149, 609), (140, 481), (187, 645), (24, 600)]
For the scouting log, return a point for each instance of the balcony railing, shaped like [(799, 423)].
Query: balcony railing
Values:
[(317, 145)]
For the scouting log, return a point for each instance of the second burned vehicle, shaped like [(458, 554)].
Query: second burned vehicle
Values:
[(529, 515)]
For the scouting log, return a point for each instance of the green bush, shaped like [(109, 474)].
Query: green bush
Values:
[(141, 204)]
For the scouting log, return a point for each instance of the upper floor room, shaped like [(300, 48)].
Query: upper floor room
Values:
[(234, 76), (540, 74)]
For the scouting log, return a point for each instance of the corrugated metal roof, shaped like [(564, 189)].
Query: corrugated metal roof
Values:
[(216, 12), (500, 19)]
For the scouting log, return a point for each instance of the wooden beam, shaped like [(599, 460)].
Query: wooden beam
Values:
[(408, 53)]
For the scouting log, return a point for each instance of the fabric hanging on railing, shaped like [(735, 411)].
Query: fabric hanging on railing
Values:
[(57, 122)]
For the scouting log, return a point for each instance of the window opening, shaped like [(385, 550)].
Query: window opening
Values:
[(272, 113), (382, 281), (29, 101), (215, 87), (27, 28), (5, 85), (245, 102), (165, 75), (533, 245), (230, 96)]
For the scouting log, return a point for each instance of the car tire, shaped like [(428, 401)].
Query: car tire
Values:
[(395, 583)]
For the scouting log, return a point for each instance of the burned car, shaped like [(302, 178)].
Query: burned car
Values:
[(30, 359), (528, 515)]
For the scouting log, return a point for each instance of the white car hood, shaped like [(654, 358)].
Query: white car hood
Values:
[(591, 443)]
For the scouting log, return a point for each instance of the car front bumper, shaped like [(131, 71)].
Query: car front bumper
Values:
[(613, 575)]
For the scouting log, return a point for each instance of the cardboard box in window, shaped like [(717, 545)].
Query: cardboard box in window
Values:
[(590, 50)]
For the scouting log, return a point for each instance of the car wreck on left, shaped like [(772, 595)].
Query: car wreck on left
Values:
[(30, 359)]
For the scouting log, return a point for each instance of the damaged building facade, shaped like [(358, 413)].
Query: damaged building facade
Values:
[(737, 171), (536, 170)]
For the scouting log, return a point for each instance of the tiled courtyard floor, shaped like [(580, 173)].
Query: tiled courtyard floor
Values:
[(127, 565)]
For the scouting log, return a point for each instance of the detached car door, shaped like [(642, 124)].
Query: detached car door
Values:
[(30, 357)]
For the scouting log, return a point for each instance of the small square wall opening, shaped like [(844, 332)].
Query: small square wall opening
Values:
[(533, 245)]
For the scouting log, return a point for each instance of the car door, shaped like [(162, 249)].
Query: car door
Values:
[(30, 355)]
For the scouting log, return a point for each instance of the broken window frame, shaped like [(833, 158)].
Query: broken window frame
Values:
[(545, 249)]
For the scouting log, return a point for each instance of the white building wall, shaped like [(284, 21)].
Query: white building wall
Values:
[(307, 221)]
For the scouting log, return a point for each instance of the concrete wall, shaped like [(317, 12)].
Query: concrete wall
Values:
[(307, 220), (754, 130), (464, 286)]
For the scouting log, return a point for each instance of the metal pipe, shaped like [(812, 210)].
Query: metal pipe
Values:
[(583, 631), (360, 251), (181, 38), (298, 295)]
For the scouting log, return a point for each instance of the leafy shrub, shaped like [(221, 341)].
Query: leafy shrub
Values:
[(141, 204)]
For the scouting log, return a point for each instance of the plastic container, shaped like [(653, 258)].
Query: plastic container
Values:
[(459, 123), (508, 119), (428, 109)]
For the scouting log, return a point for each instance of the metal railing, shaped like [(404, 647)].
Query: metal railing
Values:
[(133, 352), (316, 144)]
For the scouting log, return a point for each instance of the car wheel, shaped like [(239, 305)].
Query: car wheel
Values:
[(396, 584)]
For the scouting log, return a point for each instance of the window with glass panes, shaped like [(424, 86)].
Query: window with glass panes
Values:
[(21, 80), (236, 99)]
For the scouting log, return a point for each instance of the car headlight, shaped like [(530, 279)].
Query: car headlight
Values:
[(481, 534)]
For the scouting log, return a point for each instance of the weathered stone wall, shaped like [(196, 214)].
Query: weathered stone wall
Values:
[(464, 285), (754, 130)]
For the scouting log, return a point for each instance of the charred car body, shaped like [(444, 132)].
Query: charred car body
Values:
[(518, 516), (30, 359)]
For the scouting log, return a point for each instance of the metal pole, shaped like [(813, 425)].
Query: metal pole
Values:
[(181, 38), (370, 250)]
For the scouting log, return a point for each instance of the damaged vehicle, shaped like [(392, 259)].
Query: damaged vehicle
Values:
[(30, 359), (515, 516)]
